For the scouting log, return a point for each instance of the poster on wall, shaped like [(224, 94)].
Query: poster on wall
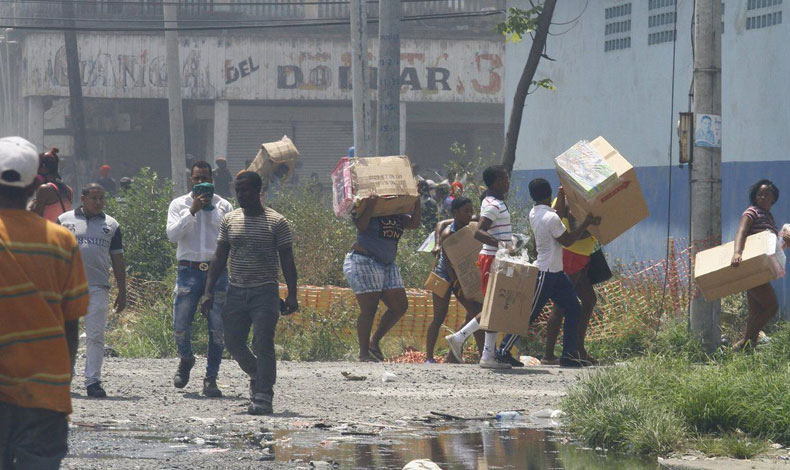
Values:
[(707, 131)]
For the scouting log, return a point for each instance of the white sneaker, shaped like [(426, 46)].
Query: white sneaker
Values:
[(494, 363), (456, 346)]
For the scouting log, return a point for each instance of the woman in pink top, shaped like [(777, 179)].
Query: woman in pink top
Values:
[(53, 197)]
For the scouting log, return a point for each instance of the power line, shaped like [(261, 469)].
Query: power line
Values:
[(236, 26), (187, 4)]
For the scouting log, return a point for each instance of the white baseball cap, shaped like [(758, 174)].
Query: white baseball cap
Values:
[(18, 162)]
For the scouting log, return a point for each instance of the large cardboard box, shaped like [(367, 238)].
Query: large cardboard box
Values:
[(620, 207), (584, 168), (762, 262), (509, 296), (273, 154), (389, 178), (463, 249)]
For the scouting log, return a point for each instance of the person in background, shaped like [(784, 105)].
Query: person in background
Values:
[(100, 241), (575, 263), (193, 222), (222, 178), (126, 183), (456, 190), (428, 207), (254, 240), (53, 197), (553, 283), (757, 218), (106, 181), (373, 275), (44, 295), (463, 211)]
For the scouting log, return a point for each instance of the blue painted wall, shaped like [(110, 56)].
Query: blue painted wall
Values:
[(647, 239)]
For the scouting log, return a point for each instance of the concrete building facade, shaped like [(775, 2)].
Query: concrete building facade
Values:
[(613, 73)]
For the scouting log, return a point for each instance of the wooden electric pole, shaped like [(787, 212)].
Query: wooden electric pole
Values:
[(706, 166), (177, 150), (363, 145), (388, 123), (82, 161)]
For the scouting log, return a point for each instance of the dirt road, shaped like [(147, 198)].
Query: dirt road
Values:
[(147, 423)]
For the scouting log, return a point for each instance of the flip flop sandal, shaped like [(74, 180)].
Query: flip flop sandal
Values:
[(376, 352), (367, 358)]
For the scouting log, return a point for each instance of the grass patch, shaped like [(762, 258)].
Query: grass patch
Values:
[(671, 399)]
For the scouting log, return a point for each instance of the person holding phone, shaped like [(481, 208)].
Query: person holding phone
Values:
[(193, 223)]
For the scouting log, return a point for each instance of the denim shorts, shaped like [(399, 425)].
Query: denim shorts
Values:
[(364, 274)]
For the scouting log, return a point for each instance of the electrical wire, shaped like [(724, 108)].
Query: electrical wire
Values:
[(669, 166), (236, 26), (156, 3)]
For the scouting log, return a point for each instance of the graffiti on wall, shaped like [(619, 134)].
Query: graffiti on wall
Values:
[(136, 67)]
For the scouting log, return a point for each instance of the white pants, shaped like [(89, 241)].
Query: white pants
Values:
[(95, 324)]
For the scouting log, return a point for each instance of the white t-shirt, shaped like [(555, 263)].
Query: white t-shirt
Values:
[(497, 212), (547, 226)]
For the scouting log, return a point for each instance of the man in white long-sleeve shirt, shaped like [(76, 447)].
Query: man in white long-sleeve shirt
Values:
[(193, 222)]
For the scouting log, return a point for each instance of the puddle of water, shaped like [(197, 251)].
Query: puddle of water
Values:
[(480, 446)]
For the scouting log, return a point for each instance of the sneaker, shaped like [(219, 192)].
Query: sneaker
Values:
[(95, 390), (574, 362), (550, 362), (494, 363), (456, 346), (260, 408), (181, 379), (430, 360), (510, 360), (210, 388)]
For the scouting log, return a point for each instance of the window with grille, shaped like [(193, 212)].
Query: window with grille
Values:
[(617, 29), (661, 21)]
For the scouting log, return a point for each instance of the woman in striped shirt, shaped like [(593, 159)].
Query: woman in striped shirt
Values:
[(757, 218)]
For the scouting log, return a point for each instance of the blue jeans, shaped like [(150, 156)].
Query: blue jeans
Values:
[(190, 285), (557, 287), (31, 438), (259, 308)]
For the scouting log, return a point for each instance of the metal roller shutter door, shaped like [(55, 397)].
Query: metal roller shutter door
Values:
[(246, 136), (321, 144)]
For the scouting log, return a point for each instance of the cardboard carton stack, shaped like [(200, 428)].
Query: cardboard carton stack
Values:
[(272, 155), (462, 248), (389, 178), (585, 172), (509, 296), (762, 262)]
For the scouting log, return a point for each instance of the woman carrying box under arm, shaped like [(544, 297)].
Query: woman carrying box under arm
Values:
[(757, 218)]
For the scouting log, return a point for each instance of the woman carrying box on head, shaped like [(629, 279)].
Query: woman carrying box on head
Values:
[(757, 218), (372, 274), (463, 211)]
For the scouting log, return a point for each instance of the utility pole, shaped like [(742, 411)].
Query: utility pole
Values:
[(82, 160), (363, 146), (706, 165), (388, 132), (177, 150)]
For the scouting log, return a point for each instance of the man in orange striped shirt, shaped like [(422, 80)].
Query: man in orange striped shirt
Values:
[(43, 293)]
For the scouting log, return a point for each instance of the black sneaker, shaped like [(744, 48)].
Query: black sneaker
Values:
[(507, 358), (260, 408), (574, 362), (210, 388), (181, 379), (95, 390)]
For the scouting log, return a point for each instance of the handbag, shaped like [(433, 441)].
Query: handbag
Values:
[(436, 284), (598, 270)]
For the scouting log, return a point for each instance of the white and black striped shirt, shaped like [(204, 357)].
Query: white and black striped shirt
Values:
[(254, 241)]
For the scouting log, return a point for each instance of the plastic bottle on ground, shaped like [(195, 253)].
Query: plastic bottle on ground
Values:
[(508, 415)]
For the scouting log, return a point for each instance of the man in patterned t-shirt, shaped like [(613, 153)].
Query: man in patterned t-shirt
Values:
[(254, 238)]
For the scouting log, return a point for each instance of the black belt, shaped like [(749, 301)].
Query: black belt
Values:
[(357, 252), (201, 265)]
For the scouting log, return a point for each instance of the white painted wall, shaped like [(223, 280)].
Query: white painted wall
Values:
[(625, 95)]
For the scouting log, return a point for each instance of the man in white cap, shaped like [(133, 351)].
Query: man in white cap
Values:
[(43, 293)]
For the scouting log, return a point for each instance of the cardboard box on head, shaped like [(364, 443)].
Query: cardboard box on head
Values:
[(509, 297), (389, 178), (620, 206), (463, 249), (275, 158), (762, 261)]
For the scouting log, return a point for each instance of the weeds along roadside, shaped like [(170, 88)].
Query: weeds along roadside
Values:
[(674, 399)]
